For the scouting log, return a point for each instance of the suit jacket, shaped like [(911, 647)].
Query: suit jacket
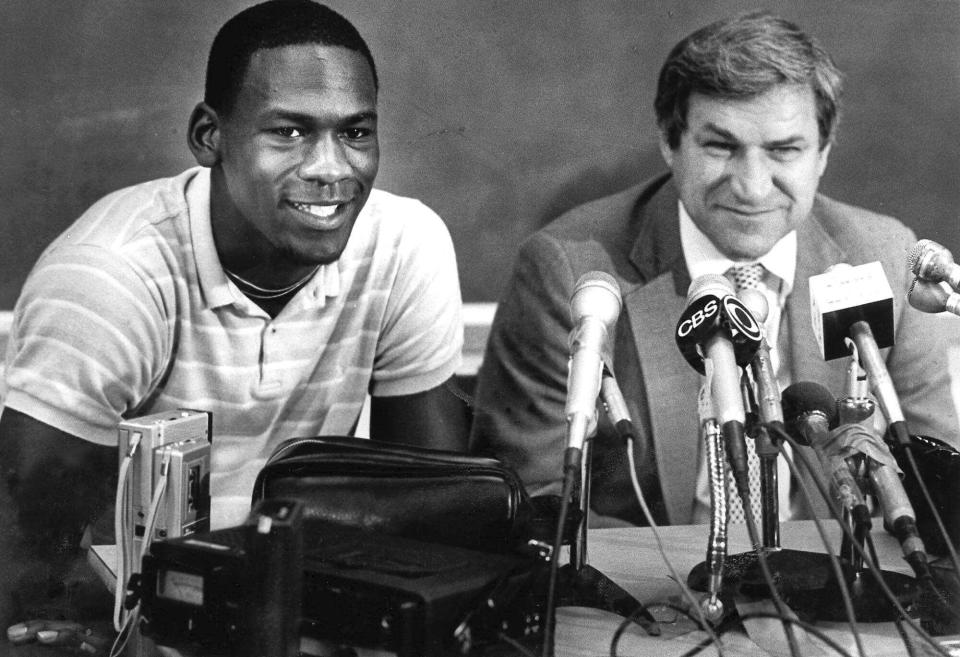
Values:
[(634, 236)]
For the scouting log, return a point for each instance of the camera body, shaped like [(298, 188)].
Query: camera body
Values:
[(235, 591)]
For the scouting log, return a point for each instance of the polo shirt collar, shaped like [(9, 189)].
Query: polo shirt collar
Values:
[(216, 288)]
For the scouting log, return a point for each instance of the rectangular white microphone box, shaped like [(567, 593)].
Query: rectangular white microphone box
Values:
[(844, 295)]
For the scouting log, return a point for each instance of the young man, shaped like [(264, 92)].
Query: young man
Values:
[(747, 109), (271, 286)]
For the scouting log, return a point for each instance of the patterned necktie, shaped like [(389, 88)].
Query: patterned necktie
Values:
[(746, 277)]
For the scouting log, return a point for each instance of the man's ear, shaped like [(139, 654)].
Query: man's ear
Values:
[(665, 151), (203, 135)]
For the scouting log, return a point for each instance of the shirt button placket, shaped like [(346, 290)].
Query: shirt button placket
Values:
[(270, 381)]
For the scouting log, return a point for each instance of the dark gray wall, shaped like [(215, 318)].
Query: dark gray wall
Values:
[(499, 115)]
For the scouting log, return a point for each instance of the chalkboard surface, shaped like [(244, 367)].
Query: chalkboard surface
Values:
[(499, 115)]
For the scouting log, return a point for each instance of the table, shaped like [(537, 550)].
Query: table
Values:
[(631, 558)]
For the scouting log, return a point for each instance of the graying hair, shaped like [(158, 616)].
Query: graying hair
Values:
[(742, 57)]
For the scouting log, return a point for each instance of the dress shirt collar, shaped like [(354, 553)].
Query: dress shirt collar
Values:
[(702, 257)]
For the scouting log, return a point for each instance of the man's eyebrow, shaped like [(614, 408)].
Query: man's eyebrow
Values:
[(720, 132), (360, 117), (783, 141), (304, 118), (787, 141)]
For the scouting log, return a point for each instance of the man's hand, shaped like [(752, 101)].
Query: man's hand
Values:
[(71, 637)]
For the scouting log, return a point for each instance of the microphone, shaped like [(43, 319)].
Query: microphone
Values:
[(594, 308), (857, 302), (768, 390), (616, 406), (717, 327), (931, 297), (770, 413), (808, 409), (856, 406), (933, 262), (884, 476)]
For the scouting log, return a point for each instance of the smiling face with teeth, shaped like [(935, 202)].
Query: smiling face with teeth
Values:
[(293, 161)]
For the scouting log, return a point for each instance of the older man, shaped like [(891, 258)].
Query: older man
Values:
[(748, 110)]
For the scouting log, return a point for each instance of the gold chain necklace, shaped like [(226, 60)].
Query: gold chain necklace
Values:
[(256, 292)]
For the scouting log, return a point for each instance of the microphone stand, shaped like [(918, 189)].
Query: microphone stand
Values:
[(798, 573), (582, 585), (806, 580), (871, 605)]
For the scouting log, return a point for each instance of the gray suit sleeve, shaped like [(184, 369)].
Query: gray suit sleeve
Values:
[(521, 389), (920, 364)]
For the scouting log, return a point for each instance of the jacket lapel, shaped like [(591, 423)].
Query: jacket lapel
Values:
[(669, 384), (670, 387), (816, 251)]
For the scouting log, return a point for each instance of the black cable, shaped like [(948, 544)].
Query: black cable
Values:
[(730, 622), (697, 648), (626, 622), (684, 589), (871, 565), (571, 467), (516, 645), (902, 631), (947, 605), (809, 627), (765, 567), (831, 557)]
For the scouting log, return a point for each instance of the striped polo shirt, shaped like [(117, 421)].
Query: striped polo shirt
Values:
[(129, 312)]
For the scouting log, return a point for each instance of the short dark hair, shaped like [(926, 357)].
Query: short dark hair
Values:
[(273, 24), (742, 57)]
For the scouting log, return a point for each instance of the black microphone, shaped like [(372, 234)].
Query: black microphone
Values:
[(594, 308), (808, 410), (857, 302), (933, 262), (931, 297), (616, 406), (717, 328)]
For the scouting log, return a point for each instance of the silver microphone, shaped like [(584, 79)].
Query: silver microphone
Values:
[(933, 262), (933, 297), (594, 308)]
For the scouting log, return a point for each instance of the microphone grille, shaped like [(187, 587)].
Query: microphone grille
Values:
[(756, 303), (913, 258), (805, 397), (596, 293), (598, 278), (714, 284)]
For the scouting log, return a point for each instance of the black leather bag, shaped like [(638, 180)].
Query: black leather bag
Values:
[(939, 466), (431, 495)]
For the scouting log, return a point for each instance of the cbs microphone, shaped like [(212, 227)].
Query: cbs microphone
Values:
[(857, 303), (718, 328), (594, 308), (808, 410), (930, 261)]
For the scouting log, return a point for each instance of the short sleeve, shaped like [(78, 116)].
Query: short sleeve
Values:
[(421, 338), (87, 343)]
